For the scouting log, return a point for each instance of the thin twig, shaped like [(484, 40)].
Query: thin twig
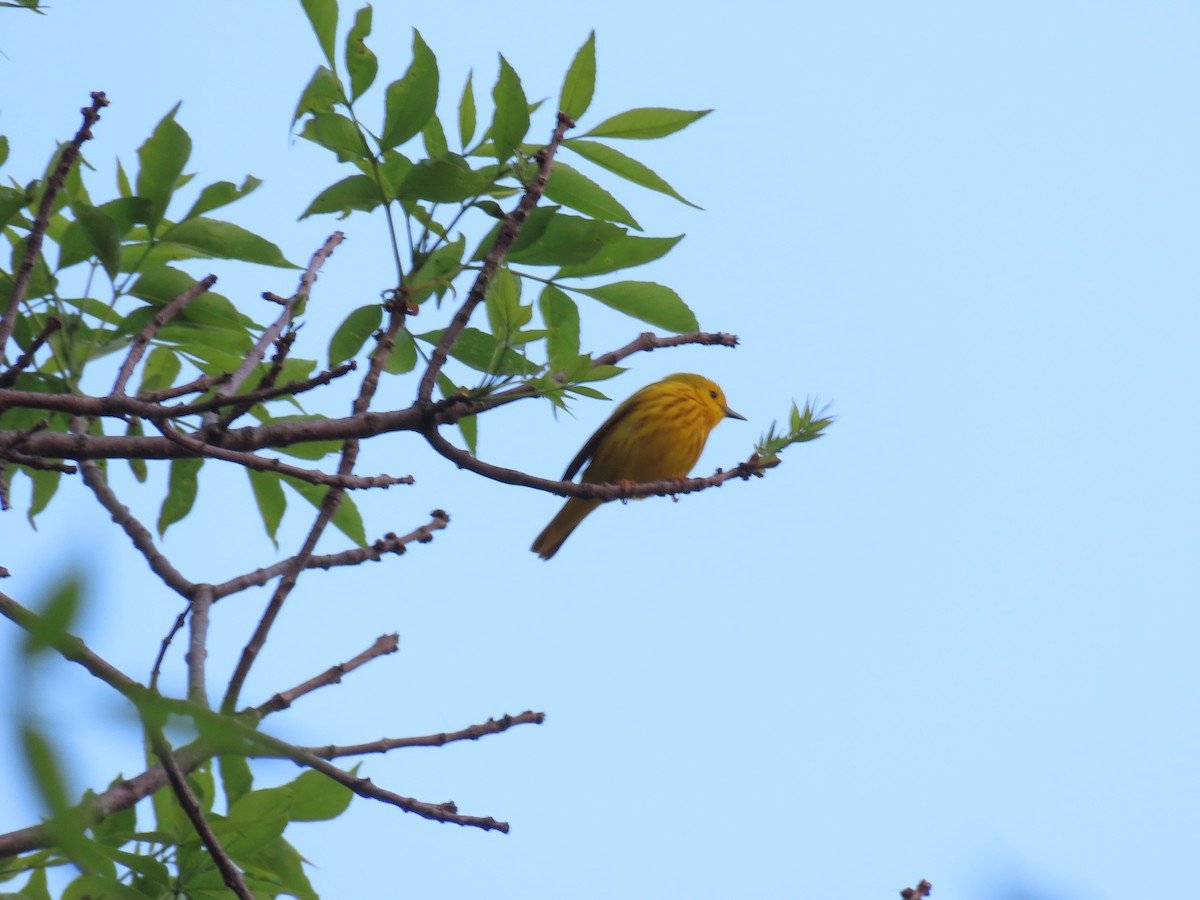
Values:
[(504, 240), (389, 543), (256, 355), (648, 341), (199, 386), (191, 808), (91, 115), (470, 733), (138, 533), (38, 462), (270, 464), (364, 787), (384, 644), (9, 378), (166, 643), (283, 346), (161, 318)]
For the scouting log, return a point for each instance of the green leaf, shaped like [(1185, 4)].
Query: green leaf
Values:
[(254, 820), (647, 123), (572, 188), (347, 519), (484, 353), (403, 357), (45, 485), (434, 137), (224, 240), (561, 316), (321, 95), (104, 236), (353, 333), (468, 426), (123, 186), (535, 225), (510, 121), (56, 613), (317, 797), (438, 271), (271, 500), (3, 149), (580, 82), (99, 887), (466, 112), (360, 61), (45, 767), (335, 132), (137, 466), (567, 240), (12, 201), (355, 192), (653, 303), (627, 167), (447, 179), (503, 300), (411, 100), (182, 486), (625, 253), (323, 16), (162, 158), (222, 193), (160, 369)]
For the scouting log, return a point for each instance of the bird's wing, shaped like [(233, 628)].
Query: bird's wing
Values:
[(589, 449)]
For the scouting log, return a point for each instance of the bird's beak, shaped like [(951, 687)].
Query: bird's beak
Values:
[(730, 414)]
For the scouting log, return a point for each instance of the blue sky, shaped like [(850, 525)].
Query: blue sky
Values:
[(954, 639)]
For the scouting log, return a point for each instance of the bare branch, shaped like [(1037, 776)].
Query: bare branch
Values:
[(199, 386), (10, 377), (191, 807), (364, 787), (198, 644), (389, 543), (161, 318), (138, 533), (384, 644), (504, 240), (470, 733), (285, 318), (587, 491), (166, 643), (648, 341), (91, 115), (267, 464)]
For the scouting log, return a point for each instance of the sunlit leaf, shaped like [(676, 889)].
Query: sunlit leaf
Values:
[(411, 100), (580, 82), (162, 158), (572, 188), (627, 167), (510, 122), (625, 253), (360, 61), (647, 123), (182, 486), (354, 331)]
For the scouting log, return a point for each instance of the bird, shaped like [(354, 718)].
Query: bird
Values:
[(657, 433)]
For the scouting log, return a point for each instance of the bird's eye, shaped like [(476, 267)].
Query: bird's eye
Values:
[(713, 394)]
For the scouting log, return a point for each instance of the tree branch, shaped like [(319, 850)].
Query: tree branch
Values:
[(161, 318), (389, 543), (265, 464), (138, 533), (256, 355), (191, 808), (470, 733), (587, 491), (197, 653), (921, 891), (9, 377), (384, 644), (91, 115), (504, 240), (329, 504)]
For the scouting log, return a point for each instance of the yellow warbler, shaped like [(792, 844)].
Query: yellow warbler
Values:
[(657, 433)]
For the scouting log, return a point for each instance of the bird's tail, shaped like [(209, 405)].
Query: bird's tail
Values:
[(573, 512)]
